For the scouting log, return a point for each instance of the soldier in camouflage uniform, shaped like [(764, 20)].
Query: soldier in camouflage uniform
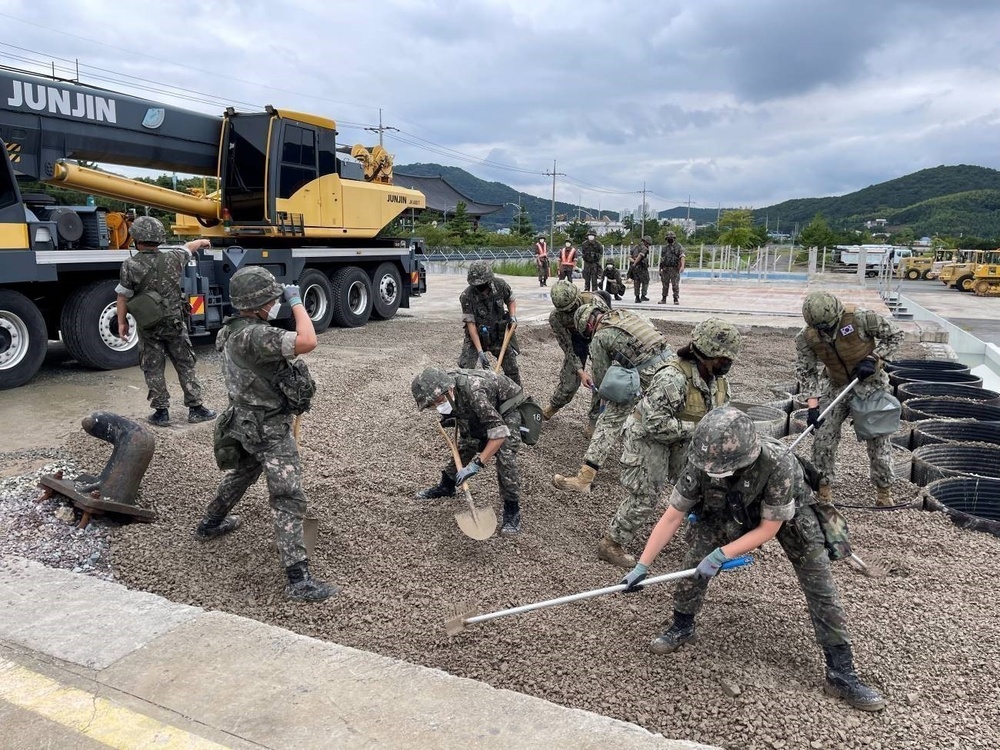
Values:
[(631, 341), (567, 298), (542, 260), (658, 431), (258, 422), (159, 272), (671, 268), (840, 343), (593, 257), (613, 283), (744, 491), (483, 407), (638, 269), (486, 321)]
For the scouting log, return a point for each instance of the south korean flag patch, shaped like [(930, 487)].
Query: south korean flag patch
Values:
[(847, 330)]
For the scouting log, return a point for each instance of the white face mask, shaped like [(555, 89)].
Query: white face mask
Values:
[(272, 314), (721, 475), (444, 408)]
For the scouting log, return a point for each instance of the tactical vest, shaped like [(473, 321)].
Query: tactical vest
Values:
[(845, 352), (695, 407), (592, 298), (646, 343)]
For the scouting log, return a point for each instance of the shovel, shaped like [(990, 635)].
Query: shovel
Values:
[(465, 616), (503, 349), (310, 524), (478, 523)]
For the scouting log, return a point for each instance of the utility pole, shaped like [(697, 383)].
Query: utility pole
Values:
[(642, 210), (689, 208), (552, 223), (381, 128)]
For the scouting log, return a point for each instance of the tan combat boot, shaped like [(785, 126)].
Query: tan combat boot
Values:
[(580, 483), (883, 496), (549, 411), (610, 551), (825, 494)]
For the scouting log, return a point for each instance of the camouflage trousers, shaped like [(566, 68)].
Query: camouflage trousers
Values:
[(566, 273), (155, 346), (606, 432), (591, 277), (802, 540), (569, 384), (508, 475), (824, 452), (542, 269), (647, 466), (469, 358), (671, 277), (640, 281), (278, 458)]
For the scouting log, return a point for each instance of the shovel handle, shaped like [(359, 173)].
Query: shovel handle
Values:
[(458, 465), (503, 349)]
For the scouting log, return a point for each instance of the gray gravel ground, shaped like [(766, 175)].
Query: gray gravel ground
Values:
[(927, 635)]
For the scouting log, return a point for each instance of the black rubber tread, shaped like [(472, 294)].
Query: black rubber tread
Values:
[(906, 391), (936, 431), (341, 281), (931, 462), (919, 409), (38, 339), (79, 326), (381, 309), (971, 502), (897, 377), (311, 277), (926, 364)]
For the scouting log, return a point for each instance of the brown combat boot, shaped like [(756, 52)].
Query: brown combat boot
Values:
[(825, 494), (549, 411), (610, 551), (580, 483), (883, 496)]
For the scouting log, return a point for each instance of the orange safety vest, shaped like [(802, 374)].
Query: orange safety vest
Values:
[(541, 250), (567, 256)]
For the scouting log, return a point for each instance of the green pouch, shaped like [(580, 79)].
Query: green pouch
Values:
[(531, 421), (148, 309), (228, 450), (620, 385)]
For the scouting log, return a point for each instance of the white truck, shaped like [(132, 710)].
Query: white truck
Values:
[(875, 257)]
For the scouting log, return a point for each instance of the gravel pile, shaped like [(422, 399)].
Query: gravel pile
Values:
[(922, 635)]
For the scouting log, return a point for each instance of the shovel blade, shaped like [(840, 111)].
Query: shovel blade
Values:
[(480, 526)]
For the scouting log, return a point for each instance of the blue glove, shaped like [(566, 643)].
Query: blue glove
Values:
[(865, 369), (469, 471), (712, 563), (291, 295), (484, 360), (634, 578)]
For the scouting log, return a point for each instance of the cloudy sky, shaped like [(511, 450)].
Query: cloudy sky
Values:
[(721, 101)]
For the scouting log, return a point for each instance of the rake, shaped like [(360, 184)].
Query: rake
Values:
[(464, 615)]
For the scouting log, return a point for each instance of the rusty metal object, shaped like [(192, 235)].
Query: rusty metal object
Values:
[(134, 446)]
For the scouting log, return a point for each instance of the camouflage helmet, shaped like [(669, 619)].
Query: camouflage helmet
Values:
[(724, 441), (148, 229), (647, 239), (480, 272), (717, 338), (252, 287), (671, 236), (822, 310), (430, 385), (582, 317), (565, 295)]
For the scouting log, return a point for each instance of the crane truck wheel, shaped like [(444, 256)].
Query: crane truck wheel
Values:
[(387, 288), (89, 325), (913, 274), (352, 297), (23, 339), (964, 284), (317, 298)]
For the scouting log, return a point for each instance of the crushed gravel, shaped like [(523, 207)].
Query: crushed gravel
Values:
[(926, 635)]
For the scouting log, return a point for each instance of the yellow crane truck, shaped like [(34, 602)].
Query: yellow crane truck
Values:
[(286, 200)]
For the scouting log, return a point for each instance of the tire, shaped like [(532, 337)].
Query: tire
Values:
[(913, 274), (23, 339), (964, 284), (317, 298), (89, 326), (387, 291), (352, 297), (925, 275)]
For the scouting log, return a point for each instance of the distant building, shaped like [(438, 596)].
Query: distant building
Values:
[(442, 198), (599, 227)]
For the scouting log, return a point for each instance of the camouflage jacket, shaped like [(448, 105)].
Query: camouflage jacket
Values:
[(251, 349), (561, 323), (672, 255), (489, 310), (658, 414), (772, 488), (478, 396), (611, 344), (139, 274), (811, 374), (592, 251)]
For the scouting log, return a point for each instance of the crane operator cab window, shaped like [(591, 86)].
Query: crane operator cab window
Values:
[(298, 159), (245, 167)]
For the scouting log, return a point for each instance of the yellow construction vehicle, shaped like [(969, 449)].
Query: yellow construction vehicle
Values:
[(926, 266), (986, 279), (960, 273)]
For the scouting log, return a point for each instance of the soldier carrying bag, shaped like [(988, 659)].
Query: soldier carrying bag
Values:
[(148, 307)]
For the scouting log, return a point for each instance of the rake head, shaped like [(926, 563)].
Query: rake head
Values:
[(455, 622)]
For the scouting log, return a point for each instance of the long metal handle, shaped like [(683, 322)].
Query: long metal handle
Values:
[(729, 565), (810, 428)]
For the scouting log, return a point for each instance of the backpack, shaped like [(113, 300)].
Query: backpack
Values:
[(149, 308)]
